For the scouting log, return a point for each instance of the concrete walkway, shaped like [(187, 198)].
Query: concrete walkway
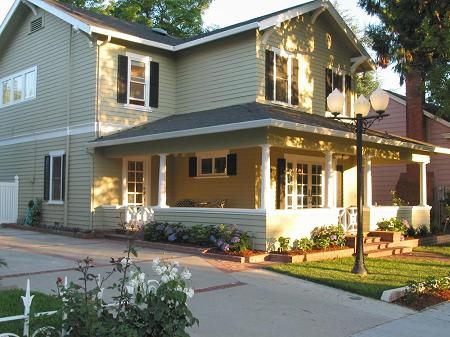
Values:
[(434, 322), (230, 300)]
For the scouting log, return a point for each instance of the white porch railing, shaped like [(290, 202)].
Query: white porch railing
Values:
[(347, 218), (138, 216), (9, 201)]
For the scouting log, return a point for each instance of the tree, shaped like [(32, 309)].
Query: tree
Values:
[(92, 5), (180, 18), (367, 82), (412, 34)]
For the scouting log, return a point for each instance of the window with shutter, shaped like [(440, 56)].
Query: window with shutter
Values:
[(337, 79)]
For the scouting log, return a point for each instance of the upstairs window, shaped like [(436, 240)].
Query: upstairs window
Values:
[(335, 79), (281, 77), (18, 88), (137, 81)]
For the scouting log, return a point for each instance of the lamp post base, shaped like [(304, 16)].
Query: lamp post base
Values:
[(359, 268)]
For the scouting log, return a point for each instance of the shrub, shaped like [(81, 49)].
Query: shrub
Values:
[(430, 285), (230, 238), (283, 244), (393, 224), (326, 236), (410, 231), (396, 200), (143, 307), (33, 214), (304, 244), (422, 230)]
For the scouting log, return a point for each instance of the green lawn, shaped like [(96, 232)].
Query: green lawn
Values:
[(383, 273), (443, 249), (11, 304)]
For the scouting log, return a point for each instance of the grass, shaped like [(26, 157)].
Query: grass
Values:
[(383, 273), (442, 249), (11, 304)]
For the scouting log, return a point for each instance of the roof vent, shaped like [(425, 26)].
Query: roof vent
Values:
[(160, 31), (36, 24)]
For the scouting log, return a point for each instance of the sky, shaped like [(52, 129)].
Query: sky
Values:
[(224, 13)]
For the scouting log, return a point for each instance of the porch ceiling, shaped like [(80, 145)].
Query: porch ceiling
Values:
[(248, 124)]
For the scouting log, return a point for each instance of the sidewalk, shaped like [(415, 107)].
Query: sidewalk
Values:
[(433, 322)]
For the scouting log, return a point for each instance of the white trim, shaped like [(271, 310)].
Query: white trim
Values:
[(205, 210), (147, 175), (146, 60), (56, 154), (425, 112), (137, 107), (269, 122), (290, 57), (12, 10), (49, 134)]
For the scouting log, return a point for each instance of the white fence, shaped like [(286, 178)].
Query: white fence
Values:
[(9, 201)]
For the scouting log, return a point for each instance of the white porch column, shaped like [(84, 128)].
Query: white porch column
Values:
[(265, 177), (329, 180), (423, 184), (162, 195), (368, 182)]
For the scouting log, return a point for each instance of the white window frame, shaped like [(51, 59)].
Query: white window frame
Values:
[(299, 159), (12, 77), (342, 73), (55, 154), (146, 60), (147, 175), (212, 155), (290, 57)]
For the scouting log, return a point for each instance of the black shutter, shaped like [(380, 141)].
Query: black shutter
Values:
[(192, 166), (294, 82), (122, 79), (328, 84), (269, 74), (63, 178), (47, 178), (154, 84), (232, 164), (281, 181)]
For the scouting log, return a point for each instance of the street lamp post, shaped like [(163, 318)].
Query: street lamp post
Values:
[(359, 124)]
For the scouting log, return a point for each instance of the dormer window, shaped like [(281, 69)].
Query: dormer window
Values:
[(281, 77)]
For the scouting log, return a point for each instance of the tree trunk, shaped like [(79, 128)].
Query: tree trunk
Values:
[(415, 124)]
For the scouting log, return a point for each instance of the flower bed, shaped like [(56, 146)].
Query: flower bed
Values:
[(297, 256)]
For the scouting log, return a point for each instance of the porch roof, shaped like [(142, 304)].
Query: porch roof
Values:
[(250, 116)]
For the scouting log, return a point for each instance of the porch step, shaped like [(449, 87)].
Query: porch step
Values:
[(388, 251), (372, 239), (370, 247)]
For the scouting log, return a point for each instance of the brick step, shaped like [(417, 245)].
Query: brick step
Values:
[(370, 247), (388, 252), (372, 239)]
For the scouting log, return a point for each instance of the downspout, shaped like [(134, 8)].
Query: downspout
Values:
[(97, 130), (69, 88)]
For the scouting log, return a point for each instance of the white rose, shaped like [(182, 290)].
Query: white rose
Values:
[(186, 274), (189, 292), (142, 277), (130, 290)]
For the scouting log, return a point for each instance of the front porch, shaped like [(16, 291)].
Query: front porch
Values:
[(273, 179)]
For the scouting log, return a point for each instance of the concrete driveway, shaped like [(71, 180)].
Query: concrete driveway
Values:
[(231, 299)]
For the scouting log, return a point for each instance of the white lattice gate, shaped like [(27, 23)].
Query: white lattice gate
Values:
[(9, 201)]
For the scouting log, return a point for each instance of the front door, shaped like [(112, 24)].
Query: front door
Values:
[(135, 183), (304, 184)]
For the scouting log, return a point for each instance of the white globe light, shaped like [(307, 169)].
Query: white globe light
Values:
[(335, 101), (379, 100), (362, 106)]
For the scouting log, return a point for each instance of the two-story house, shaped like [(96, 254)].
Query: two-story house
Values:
[(228, 127)]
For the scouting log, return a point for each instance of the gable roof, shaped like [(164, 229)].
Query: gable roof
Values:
[(429, 110), (90, 23), (249, 116)]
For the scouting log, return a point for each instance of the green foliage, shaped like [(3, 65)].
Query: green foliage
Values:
[(180, 18), (92, 5), (283, 244), (411, 231), (366, 83), (442, 249), (422, 230), (145, 307), (303, 244), (396, 200), (227, 238), (33, 214), (326, 236), (394, 225), (437, 85), (432, 284)]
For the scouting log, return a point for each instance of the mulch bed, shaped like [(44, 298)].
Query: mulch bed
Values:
[(294, 252), (244, 253), (425, 300)]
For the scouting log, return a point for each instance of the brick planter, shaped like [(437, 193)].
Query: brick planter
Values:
[(386, 236), (426, 241), (314, 256), (80, 235)]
